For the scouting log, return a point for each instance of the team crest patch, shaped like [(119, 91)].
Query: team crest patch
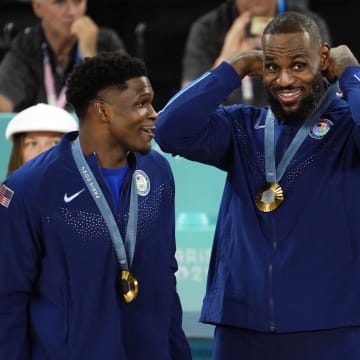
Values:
[(321, 128), (142, 182), (6, 195)]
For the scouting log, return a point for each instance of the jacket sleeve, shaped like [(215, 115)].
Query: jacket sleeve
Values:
[(193, 124), (18, 269), (350, 86)]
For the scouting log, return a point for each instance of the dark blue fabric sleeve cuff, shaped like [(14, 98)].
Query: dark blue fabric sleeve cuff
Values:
[(227, 74), (349, 83), (349, 78)]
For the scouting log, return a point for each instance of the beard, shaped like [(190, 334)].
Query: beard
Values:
[(306, 107)]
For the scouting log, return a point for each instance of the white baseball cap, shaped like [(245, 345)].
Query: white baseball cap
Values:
[(41, 117)]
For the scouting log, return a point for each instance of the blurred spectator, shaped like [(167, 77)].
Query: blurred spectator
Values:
[(35, 130), (41, 57), (234, 26)]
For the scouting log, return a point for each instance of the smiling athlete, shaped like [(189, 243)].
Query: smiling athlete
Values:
[(87, 247), (283, 276)]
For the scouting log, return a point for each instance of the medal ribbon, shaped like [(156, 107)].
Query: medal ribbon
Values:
[(124, 252), (273, 174)]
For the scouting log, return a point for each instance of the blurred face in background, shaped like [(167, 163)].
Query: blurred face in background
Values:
[(258, 7), (57, 16), (36, 142), (27, 145)]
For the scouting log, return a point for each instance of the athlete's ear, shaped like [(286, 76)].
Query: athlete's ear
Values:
[(325, 57), (101, 110)]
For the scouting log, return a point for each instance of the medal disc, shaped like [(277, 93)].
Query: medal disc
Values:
[(129, 286), (269, 197)]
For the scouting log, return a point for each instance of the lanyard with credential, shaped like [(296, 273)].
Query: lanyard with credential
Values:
[(49, 82), (128, 284), (271, 196)]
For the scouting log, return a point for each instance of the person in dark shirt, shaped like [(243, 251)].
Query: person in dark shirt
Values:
[(40, 58), (235, 25)]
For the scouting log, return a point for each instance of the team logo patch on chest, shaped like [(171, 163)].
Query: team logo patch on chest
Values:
[(321, 128), (142, 182)]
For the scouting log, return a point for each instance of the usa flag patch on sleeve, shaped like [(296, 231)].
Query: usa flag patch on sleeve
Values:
[(6, 195), (357, 76)]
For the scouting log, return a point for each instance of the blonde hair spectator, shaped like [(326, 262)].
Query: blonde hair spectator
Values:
[(35, 130)]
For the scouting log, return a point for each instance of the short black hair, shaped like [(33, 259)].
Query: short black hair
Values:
[(293, 22), (94, 74)]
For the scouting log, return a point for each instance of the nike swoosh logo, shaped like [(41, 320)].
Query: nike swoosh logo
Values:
[(259, 126), (67, 198)]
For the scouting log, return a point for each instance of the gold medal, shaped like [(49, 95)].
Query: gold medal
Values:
[(269, 197), (129, 286)]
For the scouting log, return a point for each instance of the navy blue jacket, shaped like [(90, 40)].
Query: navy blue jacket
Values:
[(296, 268), (58, 268)]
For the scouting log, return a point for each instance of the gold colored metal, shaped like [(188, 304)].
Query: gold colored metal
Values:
[(269, 197), (129, 286)]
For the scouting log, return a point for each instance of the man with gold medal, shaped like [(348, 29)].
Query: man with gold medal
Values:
[(285, 264), (87, 249)]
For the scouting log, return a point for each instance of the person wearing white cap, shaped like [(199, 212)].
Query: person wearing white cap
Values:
[(34, 130)]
